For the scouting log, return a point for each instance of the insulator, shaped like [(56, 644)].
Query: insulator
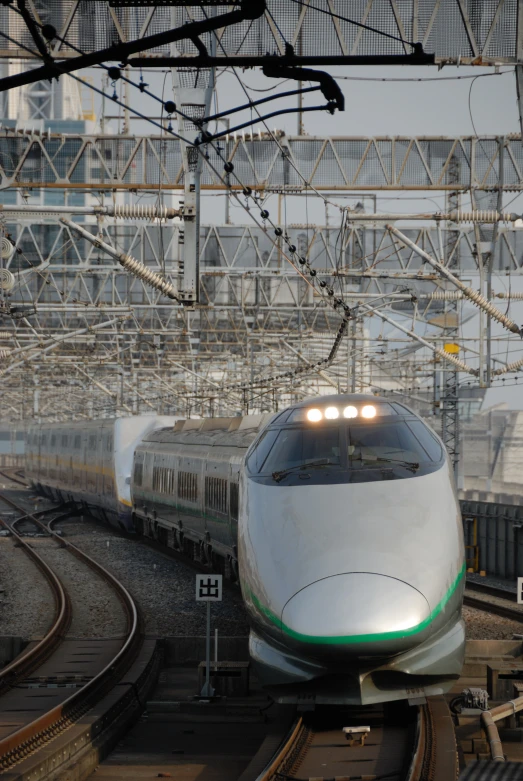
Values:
[(514, 296), (481, 215), (5, 352), (446, 295), (491, 310), (6, 248), (510, 367), (142, 211), (456, 361), (5, 334), (144, 273), (7, 280)]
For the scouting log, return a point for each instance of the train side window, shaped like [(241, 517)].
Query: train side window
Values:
[(77, 442), (234, 500), (138, 474), (216, 494), (261, 450), (188, 486)]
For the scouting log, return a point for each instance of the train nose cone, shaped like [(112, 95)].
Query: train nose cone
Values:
[(356, 613)]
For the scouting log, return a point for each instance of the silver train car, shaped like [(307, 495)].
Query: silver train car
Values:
[(185, 487), (89, 463), (351, 554)]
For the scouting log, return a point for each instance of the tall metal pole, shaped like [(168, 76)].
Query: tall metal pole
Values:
[(450, 376), (193, 94), (208, 653)]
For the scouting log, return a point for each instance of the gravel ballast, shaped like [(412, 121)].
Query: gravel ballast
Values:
[(26, 602), (481, 625), (163, 585), (97, 611)]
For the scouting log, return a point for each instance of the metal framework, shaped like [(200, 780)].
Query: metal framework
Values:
[(255, 311), (294, 163), (455, 31)]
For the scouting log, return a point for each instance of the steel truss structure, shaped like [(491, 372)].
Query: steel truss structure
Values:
[(455, 31), (293, 164), (78, 315)]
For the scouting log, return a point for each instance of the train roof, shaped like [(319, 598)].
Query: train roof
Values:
[(339, 398), (225, 432)]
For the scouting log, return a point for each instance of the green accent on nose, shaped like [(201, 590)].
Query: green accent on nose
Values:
[(353, 639)]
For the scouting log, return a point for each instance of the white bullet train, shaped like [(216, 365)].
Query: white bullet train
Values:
[(351, 554), (338, 516)]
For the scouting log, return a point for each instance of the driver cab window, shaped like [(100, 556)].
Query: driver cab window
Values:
[(294, 447)]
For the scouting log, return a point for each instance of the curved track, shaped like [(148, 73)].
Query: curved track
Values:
[(35, 655), (34, 733), (403, 744)]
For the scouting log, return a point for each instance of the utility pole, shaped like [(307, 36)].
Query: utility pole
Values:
[(450, 376), (193, 91)]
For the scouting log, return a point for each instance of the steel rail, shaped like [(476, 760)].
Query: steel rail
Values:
[(31, 659), (26, 739), (296, 744), (5, 474), (492, 591), (486, 606)]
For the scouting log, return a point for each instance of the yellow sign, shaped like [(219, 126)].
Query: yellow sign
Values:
[(451, 348)]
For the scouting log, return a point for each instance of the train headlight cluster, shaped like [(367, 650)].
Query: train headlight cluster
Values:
[(332, 413)]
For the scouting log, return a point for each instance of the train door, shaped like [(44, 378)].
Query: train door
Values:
[(216, 499), (234, 503), (107, 466)]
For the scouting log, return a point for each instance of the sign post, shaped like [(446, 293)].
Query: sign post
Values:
[(520, 591), (208, 589)]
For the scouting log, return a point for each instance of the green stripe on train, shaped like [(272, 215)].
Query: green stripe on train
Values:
[(347, 639)]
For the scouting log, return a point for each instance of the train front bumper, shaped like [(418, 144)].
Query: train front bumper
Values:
[(429, 668)]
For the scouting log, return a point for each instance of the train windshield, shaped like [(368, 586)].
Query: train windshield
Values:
[(294, 447), (359, 452)]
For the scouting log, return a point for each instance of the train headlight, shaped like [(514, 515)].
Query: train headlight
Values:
[(350, 412), (369, 411), (314, 415), (331, 413)]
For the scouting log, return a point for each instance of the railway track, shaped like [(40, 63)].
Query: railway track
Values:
[(493, 600), (37, 676), (8, 474), (391, 741)]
